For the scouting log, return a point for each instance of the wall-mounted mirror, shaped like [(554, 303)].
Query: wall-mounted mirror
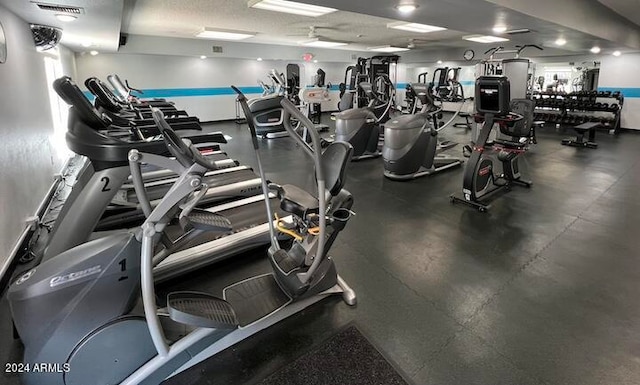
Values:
[(3, 45)]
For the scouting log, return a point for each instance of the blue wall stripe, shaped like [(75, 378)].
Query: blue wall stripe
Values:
[(627, 92), (219, 91), (185, 92)]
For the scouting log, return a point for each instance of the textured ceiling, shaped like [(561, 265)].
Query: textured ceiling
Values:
[(176, 18), (361, 23)]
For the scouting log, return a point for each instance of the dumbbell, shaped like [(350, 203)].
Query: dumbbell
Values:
[(614, 107), (616, 94)]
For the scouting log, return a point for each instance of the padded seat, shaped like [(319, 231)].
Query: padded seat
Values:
[(295, 200), (582, 129)]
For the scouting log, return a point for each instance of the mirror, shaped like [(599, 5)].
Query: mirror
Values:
[(3, 46)]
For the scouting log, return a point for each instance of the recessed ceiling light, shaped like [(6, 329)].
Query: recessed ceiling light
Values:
[(65, 18), (315, 61), (259, 59), (595, 49), (406, 7), (414, 27), (223, 34), (322, 43), (291, 7), (86, 44), (561, 42), (93, 53), (484, 39), (617, 53), (439, 62), (387, 48), (500, 29), (203, 57)]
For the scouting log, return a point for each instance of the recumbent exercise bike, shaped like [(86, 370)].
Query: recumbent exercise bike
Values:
[(514, 117)]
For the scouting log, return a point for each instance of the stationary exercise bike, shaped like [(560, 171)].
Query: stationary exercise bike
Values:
[(514, 118), (361, 127), (91, 314), (410, 147)]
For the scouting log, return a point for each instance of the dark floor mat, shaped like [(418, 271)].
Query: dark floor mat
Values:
[(346, 358)]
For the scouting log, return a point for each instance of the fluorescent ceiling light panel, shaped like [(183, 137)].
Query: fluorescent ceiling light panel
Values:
[(499, 29), (291, 7), (387, 48), (595, 49), (414, 27), (322, 43), (484, 39), (222, 34)]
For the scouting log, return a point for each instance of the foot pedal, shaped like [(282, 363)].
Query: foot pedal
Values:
[(446, 144), (466, 151), (205, 221), (255, 298), (201, 309)]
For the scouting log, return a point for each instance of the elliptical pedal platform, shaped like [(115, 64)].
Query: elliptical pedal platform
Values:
[(201, 309), (255, 298)]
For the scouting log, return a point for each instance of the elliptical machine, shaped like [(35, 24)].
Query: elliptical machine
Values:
[(410, 147), (269, 115), (361, 127), (514, 118), (91, 311)]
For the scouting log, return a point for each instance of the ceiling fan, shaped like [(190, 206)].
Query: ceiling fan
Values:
[(313, 32), (417, 43)]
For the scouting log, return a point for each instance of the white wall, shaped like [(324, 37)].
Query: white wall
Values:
[(151, 71), (27, 156), (622, 73)]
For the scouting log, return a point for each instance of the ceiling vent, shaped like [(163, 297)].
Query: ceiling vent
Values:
[(518, 31), (217, 49), (60, 8), (45, 37)]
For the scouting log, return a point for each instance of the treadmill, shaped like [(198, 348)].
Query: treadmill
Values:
[(242, 183), (109, 167), (123, 93), (123, 115)]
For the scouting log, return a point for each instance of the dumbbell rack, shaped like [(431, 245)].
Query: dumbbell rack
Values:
[(572, 109)]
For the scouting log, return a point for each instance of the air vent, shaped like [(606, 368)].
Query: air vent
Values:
[(217, 49), (60, 8), (518, 31)]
